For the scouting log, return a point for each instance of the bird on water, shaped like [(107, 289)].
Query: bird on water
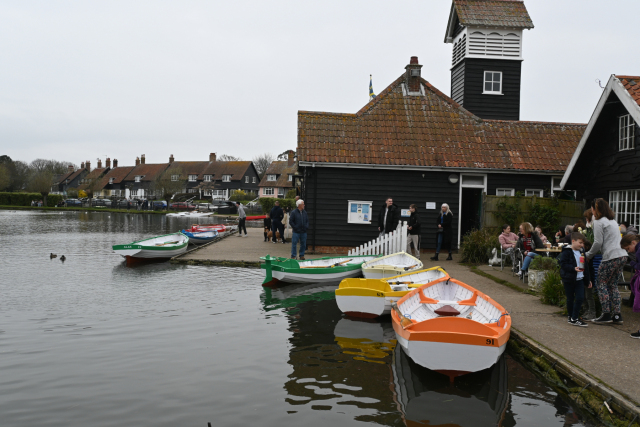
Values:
[(52, 255), (62, 258)]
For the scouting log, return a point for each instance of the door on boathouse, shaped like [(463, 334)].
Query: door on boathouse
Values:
[(471, 188)]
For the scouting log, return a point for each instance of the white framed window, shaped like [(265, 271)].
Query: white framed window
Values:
[(533, 192), (267, 191), (193, 178), (626, 205), (175, 177), (505, 192), (280, 191), (253, 181), (207, 178), (219, 194), (134, 192), (226, 178), (139, 178), (246, 179), (272, 178), (290, 178), (192, 190), (207, 192), (627, 131), (492, 82)]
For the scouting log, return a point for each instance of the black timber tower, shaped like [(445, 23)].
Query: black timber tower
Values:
[(487, 56)]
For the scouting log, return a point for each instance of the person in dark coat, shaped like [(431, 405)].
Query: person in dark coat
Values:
[(576, 276), (389, 217), (443, 232), (276, 215), (413, 229), (299, 222), (631, 244)]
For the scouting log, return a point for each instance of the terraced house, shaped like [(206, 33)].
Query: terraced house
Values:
[(416, 144), (278, 179)]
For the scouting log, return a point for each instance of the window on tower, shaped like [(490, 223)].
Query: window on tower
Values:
[(493, 82)]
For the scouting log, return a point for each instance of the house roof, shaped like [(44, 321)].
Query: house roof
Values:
[(190, 168), (395, 130), (627, 90), (94, 174), (493, 13), (73, 175), (148, 171), (282, 170), (118, 174), (65, 175), (237, 169)]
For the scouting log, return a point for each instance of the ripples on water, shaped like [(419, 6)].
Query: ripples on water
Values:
[(92, 342)]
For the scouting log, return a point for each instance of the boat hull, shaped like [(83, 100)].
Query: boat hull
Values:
[(155, 247), (382, 273), (299, 277), (320, 270), (365, 306)]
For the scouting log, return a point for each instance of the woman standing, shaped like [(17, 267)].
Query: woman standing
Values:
[(606, 239), (528, 243), (443, 232)]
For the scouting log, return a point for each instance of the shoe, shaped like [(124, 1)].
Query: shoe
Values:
[(604, 318), (246, 235), (294, 257), (590, 315), (617, 319), (568, 319), (274, 242), (519, 273), (449, 258), (239, 235), (434, 258), (301, 258), (284, 243), (635, 335), (578, 322)]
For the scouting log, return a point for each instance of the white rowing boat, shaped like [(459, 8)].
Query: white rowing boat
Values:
[(391, 265), (166, 246)]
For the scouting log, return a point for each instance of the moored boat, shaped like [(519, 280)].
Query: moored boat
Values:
[(190, 214), (165, 246), (200, 237), (391, 265), (327, 269), (374, 297), (220, 228), (451, 327)]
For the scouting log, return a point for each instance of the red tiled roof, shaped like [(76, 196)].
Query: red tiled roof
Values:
[(282, 169), (190, 168), (432, 131), (493, 13), (237, 169), (118, 174), (94, 174), (632, 85), (148, 171)]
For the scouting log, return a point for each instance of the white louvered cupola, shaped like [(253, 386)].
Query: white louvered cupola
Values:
[(487, 43)]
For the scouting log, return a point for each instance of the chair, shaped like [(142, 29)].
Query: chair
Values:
[(502, 256)]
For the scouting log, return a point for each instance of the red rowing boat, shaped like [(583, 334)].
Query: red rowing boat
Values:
[(195, 228), (256, 217)]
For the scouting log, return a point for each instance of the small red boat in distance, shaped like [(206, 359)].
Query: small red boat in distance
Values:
[(196, 228)]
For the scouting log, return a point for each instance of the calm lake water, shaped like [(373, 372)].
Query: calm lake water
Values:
[(91, 342)]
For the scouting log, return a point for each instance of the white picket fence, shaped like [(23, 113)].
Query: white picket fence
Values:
[(390, 243)]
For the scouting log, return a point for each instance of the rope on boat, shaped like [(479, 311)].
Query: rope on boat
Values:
[(498, 319)]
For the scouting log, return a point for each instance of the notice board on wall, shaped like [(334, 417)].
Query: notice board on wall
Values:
[(359, 212)]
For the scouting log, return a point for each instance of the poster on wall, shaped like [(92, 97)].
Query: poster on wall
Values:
[(405, 213), (359, 212), (431, 205)]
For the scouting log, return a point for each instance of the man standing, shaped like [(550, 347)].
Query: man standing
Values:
[(299, 222), (276, 216), (389, 217), (242, 219)]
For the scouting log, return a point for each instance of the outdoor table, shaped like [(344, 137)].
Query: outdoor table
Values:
[(549, 252)]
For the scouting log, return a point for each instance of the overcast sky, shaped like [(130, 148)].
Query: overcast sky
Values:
[(83, 80)]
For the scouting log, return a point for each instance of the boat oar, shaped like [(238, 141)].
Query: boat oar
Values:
[(168, 243), (410, 267), (403, 320), (401, 283), (329, 266)]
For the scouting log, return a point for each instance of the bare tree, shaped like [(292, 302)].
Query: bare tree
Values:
[(40, 182), (262, 162), (53, 166), (228, 158), (285, 155), (170, 182)]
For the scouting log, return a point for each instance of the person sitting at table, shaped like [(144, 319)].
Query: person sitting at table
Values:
[(542, 236), (527, 244), (568, 229), (508, 241)]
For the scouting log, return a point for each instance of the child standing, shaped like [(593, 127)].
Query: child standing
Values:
[(575, 277), (631, 244)]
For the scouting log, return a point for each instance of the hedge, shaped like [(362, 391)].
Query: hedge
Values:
[(268, 202), (25, 199)]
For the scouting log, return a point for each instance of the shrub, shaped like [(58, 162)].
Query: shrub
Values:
[(24, 199), (542, 263), (552, 291), (291, 194), (477, 245), (238, 195), (267, 203), (547, 217)]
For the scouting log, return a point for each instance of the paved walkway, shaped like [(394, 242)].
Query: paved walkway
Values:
[(604, 352)]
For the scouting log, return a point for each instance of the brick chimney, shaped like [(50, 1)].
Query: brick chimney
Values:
[(107, 162), (88, 165), (412, 76), (71, 168), (142, 159), (82, 165), (171, 159), (137, 161), (290, 156), (115, 163), (212, 157), (99, 164)]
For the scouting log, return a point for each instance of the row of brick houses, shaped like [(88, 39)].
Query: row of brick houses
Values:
[(213, 178)]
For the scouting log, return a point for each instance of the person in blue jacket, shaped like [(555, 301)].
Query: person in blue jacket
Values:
[(276, 215), (299, 222), (574, 271)]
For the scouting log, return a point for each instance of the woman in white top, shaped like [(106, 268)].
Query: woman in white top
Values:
[(606, 239)]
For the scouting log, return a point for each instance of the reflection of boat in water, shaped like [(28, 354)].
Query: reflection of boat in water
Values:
[(426, 397), (367, 340), (292, 295)]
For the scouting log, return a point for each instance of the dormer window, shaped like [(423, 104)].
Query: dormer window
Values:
[(272, 178), (207, 178), (492, 82), (290, 177), (226, 178), (111, 180), (193, 178), (627, 134), (139, 178), (175, 177)]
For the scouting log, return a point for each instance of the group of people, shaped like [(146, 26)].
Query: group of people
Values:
[(586, 265), (37, 203), (389, 217)]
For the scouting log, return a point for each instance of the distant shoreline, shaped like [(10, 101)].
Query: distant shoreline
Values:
[(86, 209)]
